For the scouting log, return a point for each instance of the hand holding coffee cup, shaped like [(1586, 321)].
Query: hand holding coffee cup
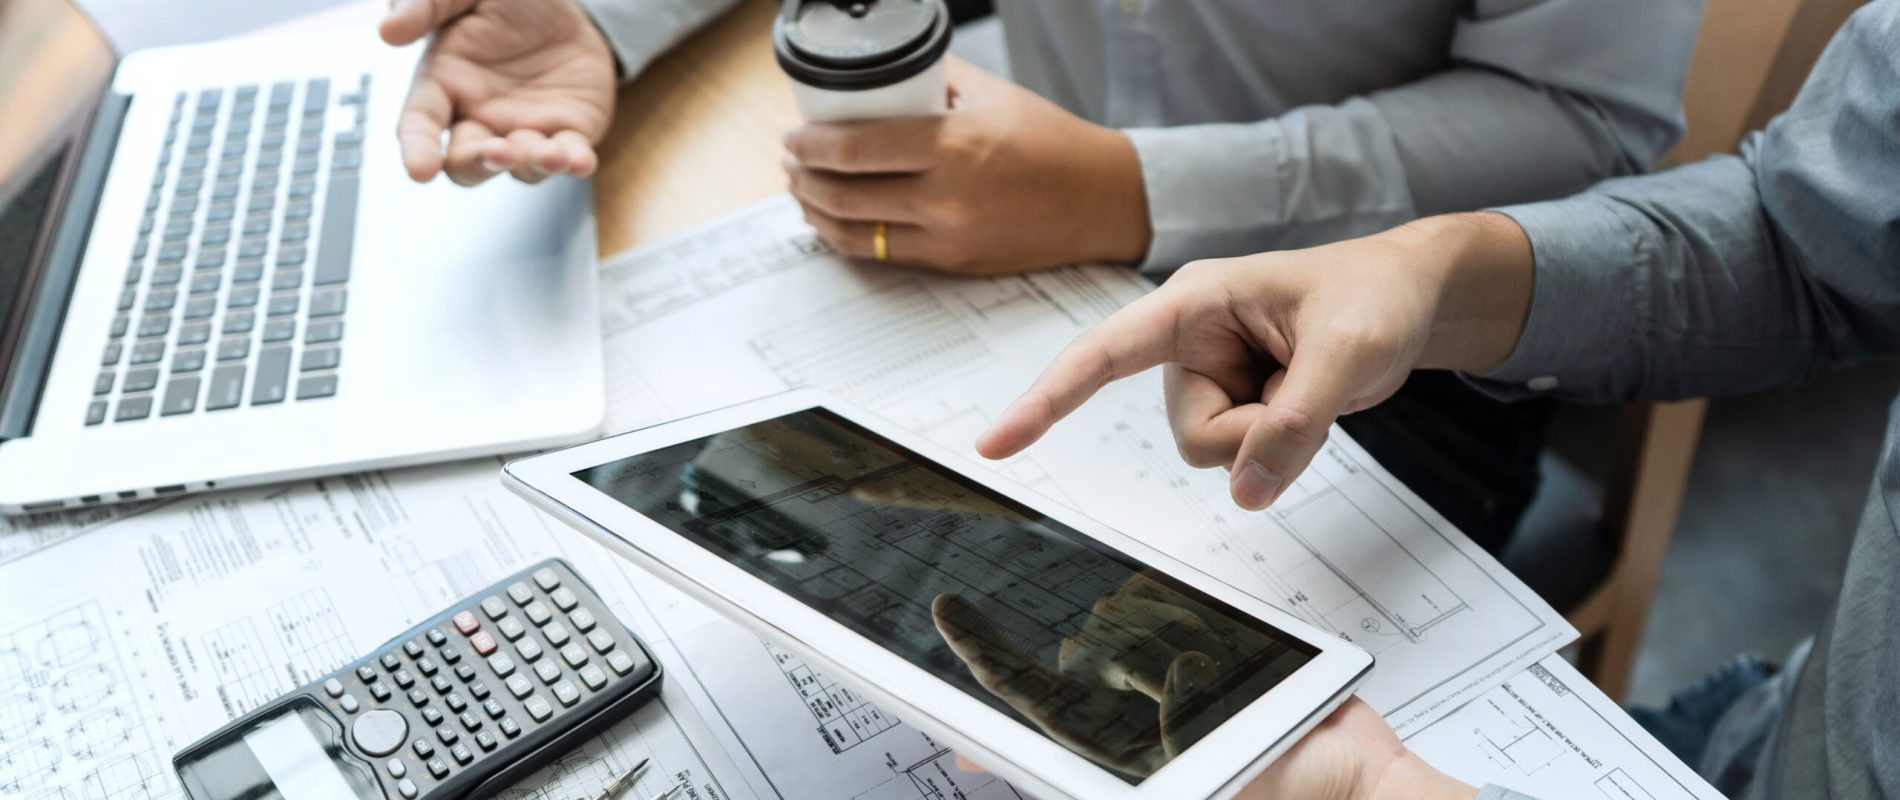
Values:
[(913, 156)]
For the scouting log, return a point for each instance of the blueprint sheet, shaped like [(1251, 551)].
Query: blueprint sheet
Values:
[(129, 633)]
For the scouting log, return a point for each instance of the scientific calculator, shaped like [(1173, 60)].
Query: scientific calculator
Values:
[(463, 705)]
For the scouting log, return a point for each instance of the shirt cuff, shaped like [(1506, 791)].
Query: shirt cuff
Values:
[(639, 32), (1211, 190), (1495, 792), (1584, 305)]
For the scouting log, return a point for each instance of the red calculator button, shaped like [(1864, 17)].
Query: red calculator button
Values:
[(466, 623), (482, 642)]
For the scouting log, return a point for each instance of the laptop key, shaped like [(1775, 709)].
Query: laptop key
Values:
[(273, 373), (295, 231), (103, 383), (115, 350), (303, 187), (227, 387), (181, 396), (127, 297), (328, 303), (178, 228), (309, 145), (206, 281), (225, 190), (120, 324), (318, 93), (234, 349), (316, 386), (266, 179), (161, 299), (212, 258), (222, 211), (273, 139), (141, 379), (215, 235), (172, 252), (257, 225), (131, 408), (281, 304), (139, 250), (290, 255), (190, 184), (280, 94), (242, 297), (96, 413), (338, 231), (148, 351), (253, 247), (280, 330), (321, 358), (200, 307), (155, 325), (321, 332), (195, 333), (188, 361), (346, 158), (167, 276), (248, 270), (306, 165), (239, 321), (297, 209), (184, 205), (285, 279)]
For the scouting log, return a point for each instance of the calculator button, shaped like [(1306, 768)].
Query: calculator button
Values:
[(379, 732), (438, 767), (556, 633), (486, 740), (483, 643), (440, 684), (418, 697), (450, 654), (427, 665), (455, 701), (431, 716), (509, 727), (564, 598), (574, 655), (593, 677), (547, 670), (529, 649), (333, 687), (391, 661), (520, 686), (406, 788), (511, 628), (404, 679), (601, 640), (466, 622), (396, 768), (546, 579), (493, 709), (379, 690), (470, 721), (424, 748), (462, 754), (464, 673), (413, 648), (620, 662), (538, 708), (567, 693), (582, 618), (478, 690), (366, 673), (501, 664), (349, 704), (520, 593), (495, 608), (437, 637), (447, 734), (537, 612)]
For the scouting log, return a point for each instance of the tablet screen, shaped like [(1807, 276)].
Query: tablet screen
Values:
[(1099, 652)]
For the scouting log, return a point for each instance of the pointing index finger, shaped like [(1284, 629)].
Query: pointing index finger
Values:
[(1131, 340)]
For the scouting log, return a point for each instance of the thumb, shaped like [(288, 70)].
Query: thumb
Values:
[(409, 20), (1185, 716), (1286, 434)]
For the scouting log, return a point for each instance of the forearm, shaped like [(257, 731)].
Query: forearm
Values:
[(1479, 266)]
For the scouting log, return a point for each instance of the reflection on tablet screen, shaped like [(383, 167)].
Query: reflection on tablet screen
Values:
[(1099, 652)]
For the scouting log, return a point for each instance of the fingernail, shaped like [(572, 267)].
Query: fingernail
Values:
[(490, 164), (1254, 487)]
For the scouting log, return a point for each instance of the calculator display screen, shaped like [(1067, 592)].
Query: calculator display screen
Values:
[(1098, 651), (292, 755)]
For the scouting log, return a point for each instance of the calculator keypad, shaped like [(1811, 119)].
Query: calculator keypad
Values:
[(512, 661)]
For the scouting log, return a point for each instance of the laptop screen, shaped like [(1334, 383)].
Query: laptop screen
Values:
[(52, 64)]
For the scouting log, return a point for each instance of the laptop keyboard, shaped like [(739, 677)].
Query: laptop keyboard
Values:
[(238, 282)]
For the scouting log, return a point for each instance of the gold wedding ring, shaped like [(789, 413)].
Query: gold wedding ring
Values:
[(880, 243)]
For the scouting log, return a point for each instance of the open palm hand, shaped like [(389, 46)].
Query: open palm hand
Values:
[(520, 86)]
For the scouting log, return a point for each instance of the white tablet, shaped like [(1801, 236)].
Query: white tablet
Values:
[(1063, 655)]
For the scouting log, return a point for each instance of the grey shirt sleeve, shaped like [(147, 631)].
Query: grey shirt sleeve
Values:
[(1543, 98), (1735, 274), (640, 30), (1500, 793)]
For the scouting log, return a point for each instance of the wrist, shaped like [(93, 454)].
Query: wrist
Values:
[(1408, 777), (1481, 268), (1113, 200)]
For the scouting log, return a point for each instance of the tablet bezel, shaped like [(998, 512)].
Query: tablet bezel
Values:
[(1216, 766)]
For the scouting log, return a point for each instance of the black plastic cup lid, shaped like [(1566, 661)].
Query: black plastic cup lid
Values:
[(859, 44)]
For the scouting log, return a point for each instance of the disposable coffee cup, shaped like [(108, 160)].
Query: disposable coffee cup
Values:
[(864, 59)]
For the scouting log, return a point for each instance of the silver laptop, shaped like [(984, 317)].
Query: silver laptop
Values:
[(214, 272)]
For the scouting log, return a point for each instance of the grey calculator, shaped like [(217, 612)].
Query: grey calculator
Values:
[(463, 705)]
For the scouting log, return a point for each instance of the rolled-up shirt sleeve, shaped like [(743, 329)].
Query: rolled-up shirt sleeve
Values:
[(1736, 274), (1543, 98), (640, 30)]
